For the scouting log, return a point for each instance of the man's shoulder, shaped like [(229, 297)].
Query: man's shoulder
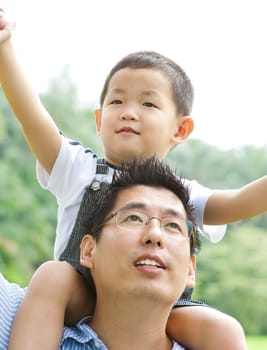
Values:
[(11, 295), (81, 336), (176, 346)]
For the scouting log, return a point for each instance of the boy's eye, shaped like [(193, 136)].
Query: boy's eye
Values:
[(150, 104), (116, 102)]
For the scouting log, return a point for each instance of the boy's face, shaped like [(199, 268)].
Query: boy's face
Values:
[(139, 116), (143, 262)]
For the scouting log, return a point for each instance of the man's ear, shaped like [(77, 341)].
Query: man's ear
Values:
[(98, 118), (191, 277), (87, 247), (184, 129)]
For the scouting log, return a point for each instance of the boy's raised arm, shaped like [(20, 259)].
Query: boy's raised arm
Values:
[(228, 206), (38, 126)]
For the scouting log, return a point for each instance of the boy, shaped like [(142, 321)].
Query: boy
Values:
[(145, 107)]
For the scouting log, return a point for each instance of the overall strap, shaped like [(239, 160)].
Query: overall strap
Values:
[(101, 172), (71, 254)]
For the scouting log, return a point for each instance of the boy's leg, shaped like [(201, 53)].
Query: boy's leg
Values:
[(204, 328), (56, 293)]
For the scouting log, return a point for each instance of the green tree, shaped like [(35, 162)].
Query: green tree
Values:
[(27, 212), (74, 120), (232, 276)]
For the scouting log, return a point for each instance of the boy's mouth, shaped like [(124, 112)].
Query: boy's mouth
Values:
[(127, 130)]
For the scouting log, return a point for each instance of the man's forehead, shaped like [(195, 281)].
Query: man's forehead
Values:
[(150, 197)]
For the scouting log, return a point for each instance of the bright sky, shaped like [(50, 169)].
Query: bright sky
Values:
[(220, 44)]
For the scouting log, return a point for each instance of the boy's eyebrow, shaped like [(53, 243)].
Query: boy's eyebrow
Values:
[(117, 90), (148, 92)]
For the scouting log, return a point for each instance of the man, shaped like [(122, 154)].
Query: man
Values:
[(140, 246)]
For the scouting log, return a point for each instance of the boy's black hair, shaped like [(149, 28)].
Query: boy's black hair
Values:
[(183, 92)]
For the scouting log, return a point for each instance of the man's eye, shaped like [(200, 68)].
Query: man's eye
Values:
[(133, 218), (116, 102), (174, 226), (150, 104)]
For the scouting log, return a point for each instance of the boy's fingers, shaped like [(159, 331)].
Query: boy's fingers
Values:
[(6, 32), (3, 21), (6, 26)]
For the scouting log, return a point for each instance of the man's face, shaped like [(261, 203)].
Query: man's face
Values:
[(138, 116), (147, 262)]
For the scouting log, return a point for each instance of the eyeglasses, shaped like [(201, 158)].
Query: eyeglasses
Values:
[(135, 220)]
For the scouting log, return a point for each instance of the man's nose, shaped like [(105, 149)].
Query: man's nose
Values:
[(153, 233)]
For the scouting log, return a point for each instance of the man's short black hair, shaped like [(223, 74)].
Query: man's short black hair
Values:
[(148, 172)]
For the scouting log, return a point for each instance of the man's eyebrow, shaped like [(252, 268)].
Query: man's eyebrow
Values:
[(166, 211), (135, 205)]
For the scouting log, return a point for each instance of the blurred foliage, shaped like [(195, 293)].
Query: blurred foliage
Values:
[(232, 275), (220, 169)]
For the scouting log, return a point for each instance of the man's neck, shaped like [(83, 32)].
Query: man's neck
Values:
[(124, 326)]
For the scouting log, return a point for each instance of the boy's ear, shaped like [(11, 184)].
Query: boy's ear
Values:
[(184, 129), (98, 118), (87, 247), (191, 277)]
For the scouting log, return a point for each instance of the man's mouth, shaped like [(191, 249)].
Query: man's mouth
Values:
[(149, 262)]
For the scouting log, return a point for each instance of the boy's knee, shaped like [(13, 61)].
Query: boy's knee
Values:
[(53, 274), (230, 331), (231, 324)]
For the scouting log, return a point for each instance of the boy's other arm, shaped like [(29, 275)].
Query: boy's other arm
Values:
[(38, 126), (228, 206)]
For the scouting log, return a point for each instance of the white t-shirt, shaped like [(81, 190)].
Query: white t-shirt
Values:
[(74, 170)]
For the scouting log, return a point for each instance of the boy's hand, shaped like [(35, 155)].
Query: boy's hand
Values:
[(6, 27), (3, 21)]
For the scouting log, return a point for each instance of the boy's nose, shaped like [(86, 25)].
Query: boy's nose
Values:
[(129, 114)]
